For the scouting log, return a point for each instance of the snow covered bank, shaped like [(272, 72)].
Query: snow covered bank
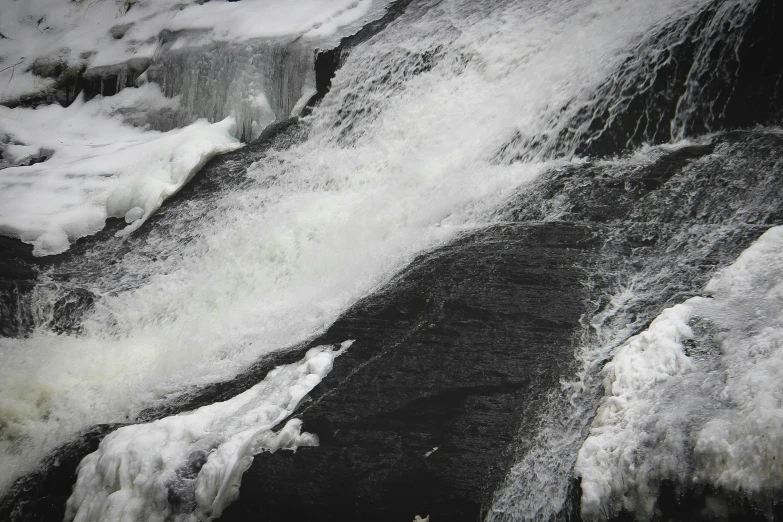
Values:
[(197, 458), (698, 397), (98, 167), (241, 65), (91, 34)]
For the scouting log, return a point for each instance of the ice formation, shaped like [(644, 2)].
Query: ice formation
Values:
[(698, 397), (243, 64), (110, 32), (197, 458), (97, 166), (258, 82)]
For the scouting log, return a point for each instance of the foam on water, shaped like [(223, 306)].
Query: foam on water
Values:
[(402, 156), (696, 408)]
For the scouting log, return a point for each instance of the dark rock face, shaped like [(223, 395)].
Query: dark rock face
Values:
[(418, 415), (689, 77), (737, 87), (17, 277), (458, 352)]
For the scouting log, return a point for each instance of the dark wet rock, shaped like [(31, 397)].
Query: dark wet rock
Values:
[(740, 88), (18, 272), (418, 415)]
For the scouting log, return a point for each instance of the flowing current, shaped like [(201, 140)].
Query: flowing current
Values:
[(429, 128)]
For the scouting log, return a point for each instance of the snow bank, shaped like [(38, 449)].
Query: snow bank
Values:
[(251, 61), (742, 448), (197, 458), (99, 167), (698, 409), (99, 33)]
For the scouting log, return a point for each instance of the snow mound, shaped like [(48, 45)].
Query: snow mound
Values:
[(198, 457), (97, 167), (698, 397)]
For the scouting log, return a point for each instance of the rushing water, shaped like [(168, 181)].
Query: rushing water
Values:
[(429, 129)]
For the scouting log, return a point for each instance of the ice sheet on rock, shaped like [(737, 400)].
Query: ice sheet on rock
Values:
[(98, 167), (105, 32), (741, 447), (196, 459), (257, 81), (709, 411)]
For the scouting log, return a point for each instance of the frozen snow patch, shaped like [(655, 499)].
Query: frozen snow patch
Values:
[(197, 457), (712, 416), (99, 167), (100, 33)]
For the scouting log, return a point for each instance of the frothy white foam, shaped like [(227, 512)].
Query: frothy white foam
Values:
[(710, 412), (198, 457)]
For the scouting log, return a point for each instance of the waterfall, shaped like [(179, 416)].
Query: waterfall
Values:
[(432, 128)]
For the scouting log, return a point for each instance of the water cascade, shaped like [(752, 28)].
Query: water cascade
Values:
[(452, 124)]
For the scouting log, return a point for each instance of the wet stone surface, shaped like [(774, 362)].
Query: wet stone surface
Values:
[(451, 356)]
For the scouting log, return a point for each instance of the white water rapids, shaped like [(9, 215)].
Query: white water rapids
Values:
[(401, 157)]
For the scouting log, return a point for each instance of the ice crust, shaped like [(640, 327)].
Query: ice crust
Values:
[(699, 408), (99, 167), (197, 457)]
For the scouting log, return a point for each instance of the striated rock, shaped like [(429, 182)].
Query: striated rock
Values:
[(418, 416)]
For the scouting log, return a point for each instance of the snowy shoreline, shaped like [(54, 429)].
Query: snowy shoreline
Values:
[(65, 170)]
